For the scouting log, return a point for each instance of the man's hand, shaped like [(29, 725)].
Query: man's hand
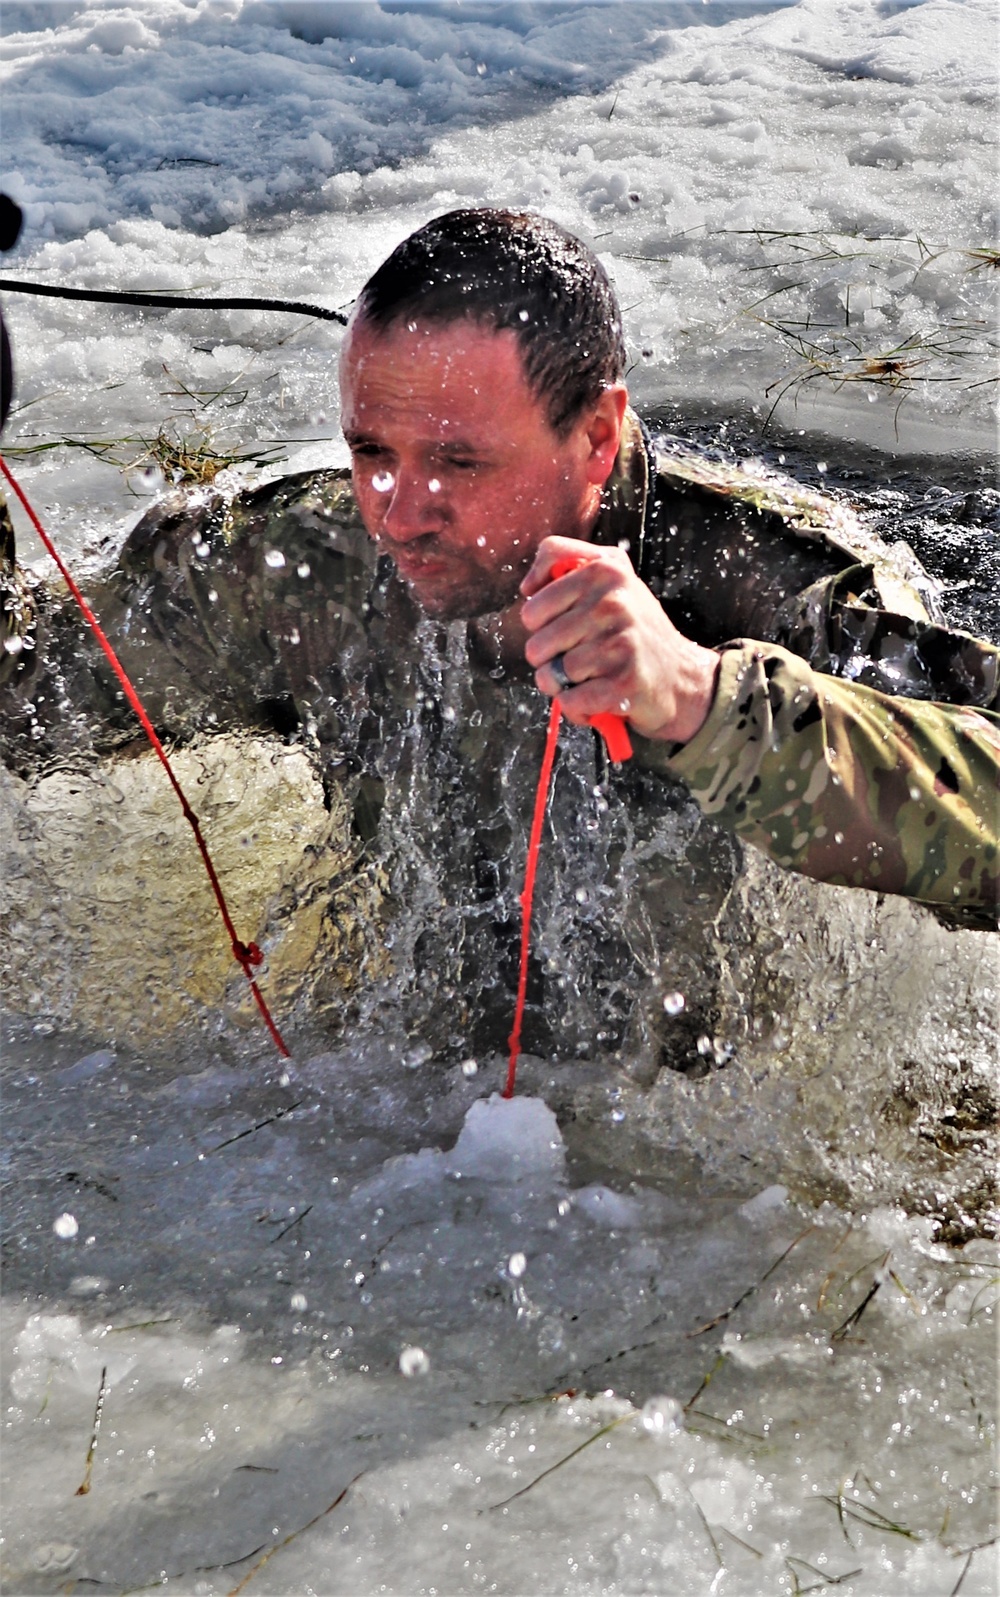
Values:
[(620, 651)]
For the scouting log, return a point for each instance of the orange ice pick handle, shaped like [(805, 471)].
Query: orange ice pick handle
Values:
[(611, 727)]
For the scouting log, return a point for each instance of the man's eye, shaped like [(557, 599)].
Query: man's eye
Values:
[(463, 463)]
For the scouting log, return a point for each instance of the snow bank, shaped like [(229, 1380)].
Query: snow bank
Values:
[(198, 114)]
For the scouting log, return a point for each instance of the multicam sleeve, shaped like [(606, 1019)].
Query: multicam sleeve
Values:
[(846, 784)]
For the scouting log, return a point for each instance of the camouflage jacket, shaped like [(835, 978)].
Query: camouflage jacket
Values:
[(862, 749)]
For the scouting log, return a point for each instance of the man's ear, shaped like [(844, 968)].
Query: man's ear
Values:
[(604, 432)]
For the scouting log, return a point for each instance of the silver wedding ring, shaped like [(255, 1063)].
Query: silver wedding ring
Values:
[(558, 669)]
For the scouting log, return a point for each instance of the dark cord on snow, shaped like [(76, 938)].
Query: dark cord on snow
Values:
[(11, 285)]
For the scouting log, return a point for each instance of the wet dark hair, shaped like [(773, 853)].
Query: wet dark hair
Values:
[(510, 270)]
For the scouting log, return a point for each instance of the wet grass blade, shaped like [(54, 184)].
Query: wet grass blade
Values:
[(292, 1536), (558, 1464), (718, 1319), (102, 1392)]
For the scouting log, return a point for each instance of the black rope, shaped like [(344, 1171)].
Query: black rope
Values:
[(171, 301)]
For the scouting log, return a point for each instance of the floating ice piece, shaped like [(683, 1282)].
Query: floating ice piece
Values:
[(764, 1203), (608, 1207), (764, 1350), (87, 1286), (724, 1497), (513, 1139), (85, 1069)]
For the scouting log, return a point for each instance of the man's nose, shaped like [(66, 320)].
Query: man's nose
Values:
[(413, 506)]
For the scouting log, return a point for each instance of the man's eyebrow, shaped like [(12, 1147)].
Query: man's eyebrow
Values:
[(452, 446)]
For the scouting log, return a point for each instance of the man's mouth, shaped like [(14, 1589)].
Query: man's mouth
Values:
[(414, 564)]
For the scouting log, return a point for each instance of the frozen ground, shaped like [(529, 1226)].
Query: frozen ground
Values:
[(300, 1303), (249, 1258)]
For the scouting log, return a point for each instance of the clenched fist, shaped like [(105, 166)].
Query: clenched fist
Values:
[(616, 648)]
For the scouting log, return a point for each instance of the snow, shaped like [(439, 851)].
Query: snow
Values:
[(379, 1290)]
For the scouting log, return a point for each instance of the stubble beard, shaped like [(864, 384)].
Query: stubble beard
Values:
[(483, 592)]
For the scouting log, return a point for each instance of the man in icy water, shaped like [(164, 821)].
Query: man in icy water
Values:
[(779, 676)]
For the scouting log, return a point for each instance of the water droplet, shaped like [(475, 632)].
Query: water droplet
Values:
[(275, 559), (705, 1046), (298, 1301), (673, 1003), (516, 1266), (821, 467), (522, 316), (563, 1207), (212, 596), (662, 1416), (415, 1057), (303, 568), (434, 485), (838, 837), (481, 542), (581, 895), (65, 1226), (383, 482), (413, 1361), (469, 1067), (202, 550), (481, 68)]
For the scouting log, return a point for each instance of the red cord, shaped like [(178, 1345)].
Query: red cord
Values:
[(530, 869), (615, 734), (246, 954)]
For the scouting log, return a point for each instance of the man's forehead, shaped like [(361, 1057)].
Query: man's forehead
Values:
[(450, 377), (444, 345)]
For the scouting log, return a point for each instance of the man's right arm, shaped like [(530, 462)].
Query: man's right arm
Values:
[(846, 784), (830, 778)]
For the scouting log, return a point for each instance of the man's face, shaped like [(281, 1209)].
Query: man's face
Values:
[(457, 471)]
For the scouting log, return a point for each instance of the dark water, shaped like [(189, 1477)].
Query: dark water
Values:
[(946, 507)]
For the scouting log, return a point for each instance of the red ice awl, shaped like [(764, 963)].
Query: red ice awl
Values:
[(611, 727), (247, 954), (619, 746)]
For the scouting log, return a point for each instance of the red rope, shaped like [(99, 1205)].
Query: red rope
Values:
[(530, 870), (246, 954), (615, 734)]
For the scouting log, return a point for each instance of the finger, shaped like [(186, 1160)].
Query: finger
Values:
[(553, 600), (551, 553), (582, 591), (594, 697), (560, 636)]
